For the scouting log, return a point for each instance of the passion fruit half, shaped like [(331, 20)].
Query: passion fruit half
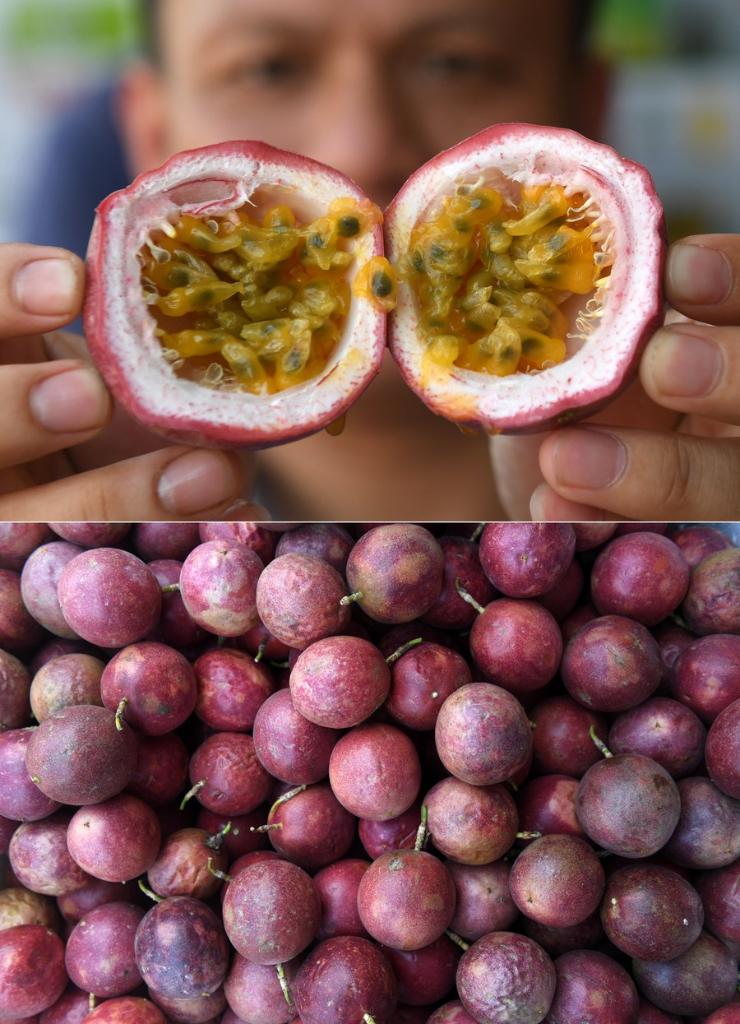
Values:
[(530, 263), (237, 296)]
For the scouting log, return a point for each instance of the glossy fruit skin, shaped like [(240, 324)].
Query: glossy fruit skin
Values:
[(18, 541), (578, 386), (592, 987), (722, 751), (699, 981), (158, 684), (501, 644), (161, 769), (100, 950), (339, 681), (39, 580), (397, 833), (526, 559), (271, 912), (547, 804), (195, 1010), (711, 604), (699, 542), (483, 735), (115, 840), (663, 729), (181, 950), (505, 978), (707, 834), (329, 541), (406, 899), (126, 1010), (32, 975), (471, 824), (40, 860), (398, 569), (561, 741), (71, 1008), (425, 975), (651, 912), (628, 804), (421, 680), (95, 893), (386, 756), (484, 902), (611, 664), (20, 799), (253, 991), (720, 894), (461, 562), (337, 884), (342, 979), (316, 830), (706, 676), (120, 332), (101, 762), (556, 941), (288, 746), (558, 880), (641, 575), (109, 597)]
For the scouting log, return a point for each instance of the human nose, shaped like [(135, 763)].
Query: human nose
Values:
[(360, 127)]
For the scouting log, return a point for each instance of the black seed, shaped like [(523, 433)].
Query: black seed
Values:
[(317, 241), (381, 284), (417, 262), (437, 251), (178, 278), (462, 225), (530, 344), (348, 226)]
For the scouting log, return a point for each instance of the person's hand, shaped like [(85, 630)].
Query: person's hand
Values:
[(57, 418), (669, 447)]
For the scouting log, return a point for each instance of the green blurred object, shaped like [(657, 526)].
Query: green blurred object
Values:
[(96, 28), (632, 29)]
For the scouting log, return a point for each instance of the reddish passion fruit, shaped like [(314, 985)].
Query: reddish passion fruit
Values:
[(237, 295), (530, 264)]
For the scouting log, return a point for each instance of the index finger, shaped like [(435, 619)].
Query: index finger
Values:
[(41, 289), (703, 278)]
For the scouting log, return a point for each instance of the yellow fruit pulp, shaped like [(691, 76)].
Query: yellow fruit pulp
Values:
[(258, 305), (490, 277)]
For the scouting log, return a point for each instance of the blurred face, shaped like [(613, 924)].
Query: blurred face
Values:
[(371, 87)]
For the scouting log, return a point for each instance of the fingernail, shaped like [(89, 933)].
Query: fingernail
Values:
[(698, 274), (685, 366), (46, 287), (246, 512), (70, 402), (198, 481), (588, 459)]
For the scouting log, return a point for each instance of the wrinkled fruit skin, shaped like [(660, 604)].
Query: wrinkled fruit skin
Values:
[(594, 988), (342, 979), (218, 585), (611, 664), (375, 772), (608, 361), (181, 950), (231, 689), (120, 331), (339, 681), (63, 681), (235, 781), (15, 684), (505, 978), (699, 981), (628, 804), (471, 824), (711, 604)]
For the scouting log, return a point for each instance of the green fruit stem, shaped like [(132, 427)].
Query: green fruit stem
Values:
[(350, 598), (216, 841), (600, 745), (148, 892), (468, 597), (422, 831), (217, 873), (193, 791), (399, 653), (457, 940), (284, 984), (119, 713)]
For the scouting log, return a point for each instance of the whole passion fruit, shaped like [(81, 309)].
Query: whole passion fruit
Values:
[(237, 295), (530, 264)]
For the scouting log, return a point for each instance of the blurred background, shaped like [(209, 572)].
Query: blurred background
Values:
[(675, 102)]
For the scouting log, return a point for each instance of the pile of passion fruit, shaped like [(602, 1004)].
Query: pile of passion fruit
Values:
[(369, 774), (241, 295)]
